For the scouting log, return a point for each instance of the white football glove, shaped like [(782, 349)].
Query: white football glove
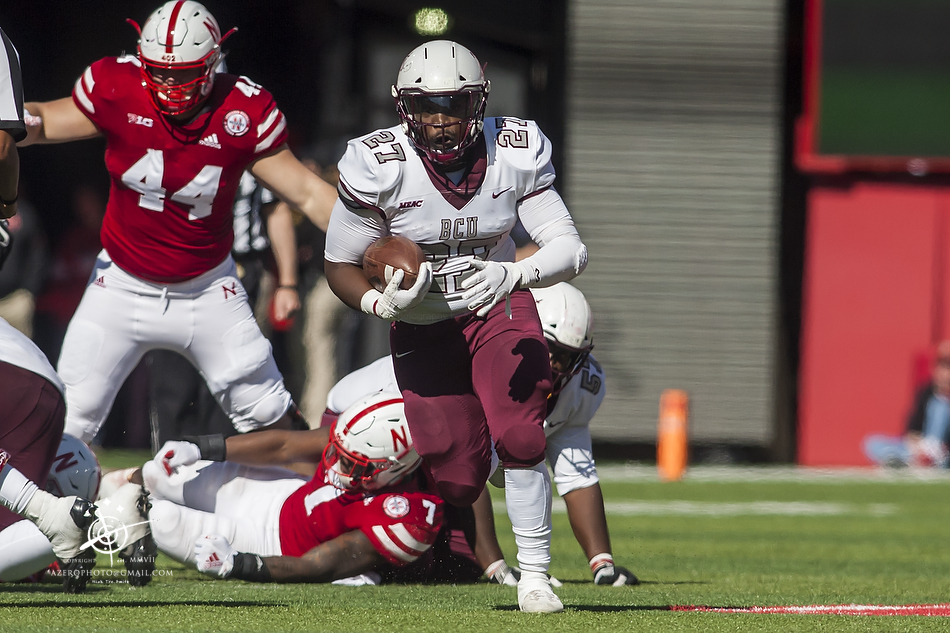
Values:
[(392, 301), (615, 576), (174, 454), (491, 283), (499, 572), (214, 555), (30, 120)]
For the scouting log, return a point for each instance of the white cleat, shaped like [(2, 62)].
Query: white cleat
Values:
[(535, 594), (63, 520), (121, 520)]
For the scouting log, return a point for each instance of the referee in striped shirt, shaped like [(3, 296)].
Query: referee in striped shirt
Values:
[(12, 128)]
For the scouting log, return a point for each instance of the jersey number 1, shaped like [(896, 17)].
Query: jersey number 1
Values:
[(145, 177)]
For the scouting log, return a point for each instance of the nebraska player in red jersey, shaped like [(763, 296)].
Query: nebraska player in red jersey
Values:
[(178, 138), (364, 507)]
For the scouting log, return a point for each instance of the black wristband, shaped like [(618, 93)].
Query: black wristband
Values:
[(212, 447), (287, 286), (7, 203), (250, 567)]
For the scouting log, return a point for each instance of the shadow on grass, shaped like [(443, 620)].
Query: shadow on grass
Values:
[(644, 582), (599, 608), (141, 603)]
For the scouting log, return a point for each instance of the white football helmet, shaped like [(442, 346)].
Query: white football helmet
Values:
[(567, 324), (75, 471), (441, 77), (180, 36), (370, 445)]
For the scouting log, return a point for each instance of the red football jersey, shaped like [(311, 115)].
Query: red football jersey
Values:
[(400, 521), (169, 213)]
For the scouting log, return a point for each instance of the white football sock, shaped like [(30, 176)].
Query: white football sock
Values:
[(15, 489), (528, 499)]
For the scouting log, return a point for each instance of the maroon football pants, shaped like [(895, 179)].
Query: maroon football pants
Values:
[(466, 381), (31, 426)]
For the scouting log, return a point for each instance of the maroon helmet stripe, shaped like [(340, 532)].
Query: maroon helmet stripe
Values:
[(170, 36)]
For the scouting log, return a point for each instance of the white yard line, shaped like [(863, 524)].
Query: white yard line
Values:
[(730, 508), (646, 473)]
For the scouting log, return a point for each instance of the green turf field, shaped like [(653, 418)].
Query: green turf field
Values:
[(723, 538)]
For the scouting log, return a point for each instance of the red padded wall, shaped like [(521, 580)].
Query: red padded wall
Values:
[(874, 301)]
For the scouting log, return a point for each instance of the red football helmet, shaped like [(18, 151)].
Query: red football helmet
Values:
[(179, 48), (441, 78), (370, 445)]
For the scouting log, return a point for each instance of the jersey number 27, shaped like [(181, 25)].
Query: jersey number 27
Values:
[(145, 177)]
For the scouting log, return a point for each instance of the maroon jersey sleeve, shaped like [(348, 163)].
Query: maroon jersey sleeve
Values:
[(169, 215), (401, 525)]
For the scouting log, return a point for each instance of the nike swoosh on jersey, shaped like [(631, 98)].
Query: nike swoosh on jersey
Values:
[(495, 195), (400, 355)]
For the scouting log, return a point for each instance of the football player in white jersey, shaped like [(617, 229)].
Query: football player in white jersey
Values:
[(579, 388), (468, 351)]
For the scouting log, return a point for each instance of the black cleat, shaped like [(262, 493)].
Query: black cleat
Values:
[(139, 558), (77, 571)]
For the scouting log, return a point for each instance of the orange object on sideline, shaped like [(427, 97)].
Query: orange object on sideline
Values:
[(671, 437)]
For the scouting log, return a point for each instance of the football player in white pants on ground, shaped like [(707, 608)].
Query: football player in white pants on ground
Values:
[(579, 388), (366, 504)]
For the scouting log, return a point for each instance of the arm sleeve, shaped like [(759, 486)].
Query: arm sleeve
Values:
[(356, 221), (11, 90), (562, 255)]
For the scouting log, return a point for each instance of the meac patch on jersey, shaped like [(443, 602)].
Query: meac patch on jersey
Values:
[(387, 187)]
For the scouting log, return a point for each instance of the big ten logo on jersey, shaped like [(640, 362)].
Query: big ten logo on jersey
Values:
[(138, 119), (511, 132), (452, 262)]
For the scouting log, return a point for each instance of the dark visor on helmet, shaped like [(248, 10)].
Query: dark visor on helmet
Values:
[(460, 105), (567, 360)]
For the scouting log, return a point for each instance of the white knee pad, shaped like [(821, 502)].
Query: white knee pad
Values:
[(262, 412), (23, 551)]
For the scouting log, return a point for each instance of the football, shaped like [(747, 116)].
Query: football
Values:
[(388, 253)]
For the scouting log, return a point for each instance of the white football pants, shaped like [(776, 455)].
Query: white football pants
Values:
[(240, 503), (23, 551), (206, 319)]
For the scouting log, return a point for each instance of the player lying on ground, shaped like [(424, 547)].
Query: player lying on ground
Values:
[(579, 388), (366, 505)]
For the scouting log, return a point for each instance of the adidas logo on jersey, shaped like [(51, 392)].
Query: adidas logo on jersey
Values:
[(210, 141), (100, 281)]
